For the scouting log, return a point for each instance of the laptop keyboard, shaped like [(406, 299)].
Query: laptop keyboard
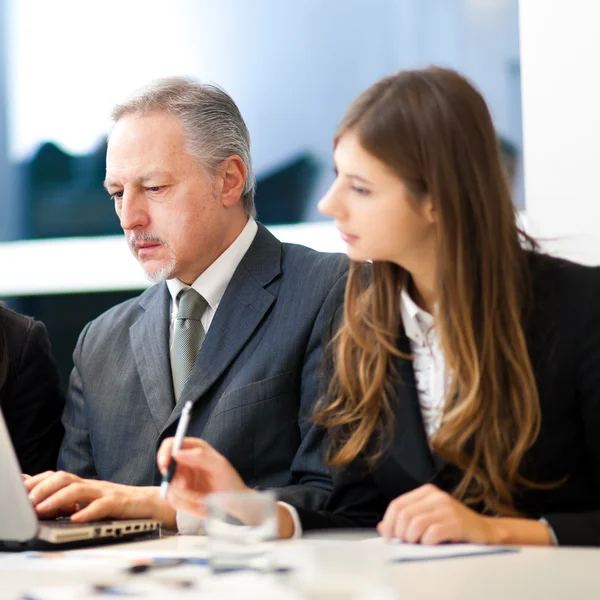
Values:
[(67, 524)]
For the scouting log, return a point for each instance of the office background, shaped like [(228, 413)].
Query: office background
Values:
[(292, 67)]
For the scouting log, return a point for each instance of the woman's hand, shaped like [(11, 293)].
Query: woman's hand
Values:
[(428, 515), (200, 470)]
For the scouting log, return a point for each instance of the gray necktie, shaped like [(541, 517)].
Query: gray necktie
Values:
[(188, 335)]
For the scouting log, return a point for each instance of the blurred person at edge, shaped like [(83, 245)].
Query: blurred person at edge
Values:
[(31, 397)]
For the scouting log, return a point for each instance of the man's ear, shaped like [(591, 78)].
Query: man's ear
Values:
[(232, 177)]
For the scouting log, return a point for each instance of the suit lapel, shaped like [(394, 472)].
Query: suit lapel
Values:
[(150, 341), (411, 448), (240, 312)]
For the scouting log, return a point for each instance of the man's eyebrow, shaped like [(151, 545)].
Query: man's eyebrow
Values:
[(108, 183), (151, 175)]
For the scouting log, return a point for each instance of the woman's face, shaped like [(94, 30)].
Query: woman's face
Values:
[(374, 211)]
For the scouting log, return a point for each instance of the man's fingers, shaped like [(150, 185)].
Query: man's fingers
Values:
[(196, 458), (188, 501), (65, 498), (163, 456), (48, 486), (31, 482), (102, 508)]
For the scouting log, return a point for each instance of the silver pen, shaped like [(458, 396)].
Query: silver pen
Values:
[(179, 435)]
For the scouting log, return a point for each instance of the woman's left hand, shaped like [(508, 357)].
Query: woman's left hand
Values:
[(427, 515)]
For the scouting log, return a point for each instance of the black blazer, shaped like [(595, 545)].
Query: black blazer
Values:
[(563, 333), (31, 398)]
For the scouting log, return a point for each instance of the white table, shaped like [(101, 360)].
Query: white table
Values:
[(532, 573)]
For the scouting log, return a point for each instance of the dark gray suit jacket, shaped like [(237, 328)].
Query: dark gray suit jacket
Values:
[(255, 381)]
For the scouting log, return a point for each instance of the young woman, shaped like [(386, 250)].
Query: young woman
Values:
[(31, 399), (464, 402)]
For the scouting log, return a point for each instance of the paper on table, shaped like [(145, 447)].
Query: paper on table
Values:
[(139, 554), (49, 562), (145, 589), (401, 552), (93, 558), (242, 585)]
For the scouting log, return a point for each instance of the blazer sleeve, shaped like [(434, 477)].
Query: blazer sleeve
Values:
[(76, 451), (311, 477), (36, 404), (583, 529), (356, 501)]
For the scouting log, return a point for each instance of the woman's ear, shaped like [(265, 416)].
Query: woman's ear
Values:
[(429, 210)]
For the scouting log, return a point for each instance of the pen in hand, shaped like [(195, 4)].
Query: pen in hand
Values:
[(179, 435)]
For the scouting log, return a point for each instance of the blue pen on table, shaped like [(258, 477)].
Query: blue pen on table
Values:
[(179, 435)]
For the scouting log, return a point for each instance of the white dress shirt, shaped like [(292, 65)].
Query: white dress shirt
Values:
[(213, 282), (431, 375)]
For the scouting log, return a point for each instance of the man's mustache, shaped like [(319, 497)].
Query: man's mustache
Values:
[(136, 238)]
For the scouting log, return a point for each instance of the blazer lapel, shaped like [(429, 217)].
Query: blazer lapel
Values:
[(150, 341), (411, 448), (240, 311)]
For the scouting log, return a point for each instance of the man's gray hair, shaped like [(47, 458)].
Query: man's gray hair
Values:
[(211, 120)]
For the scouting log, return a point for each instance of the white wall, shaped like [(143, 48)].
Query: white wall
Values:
[(292, 67), (560, 51), (104, 263)]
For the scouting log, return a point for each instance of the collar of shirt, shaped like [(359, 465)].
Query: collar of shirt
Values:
[(417, 322), (213, 282)]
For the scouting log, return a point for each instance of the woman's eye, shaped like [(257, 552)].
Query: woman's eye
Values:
[(361, 191)]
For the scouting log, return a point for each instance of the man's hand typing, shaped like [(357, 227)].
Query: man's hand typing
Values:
[(59, 493)]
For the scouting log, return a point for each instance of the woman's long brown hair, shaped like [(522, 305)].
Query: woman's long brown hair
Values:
[(433, 129)]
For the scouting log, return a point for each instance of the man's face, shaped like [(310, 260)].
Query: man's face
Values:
[(173, 220)]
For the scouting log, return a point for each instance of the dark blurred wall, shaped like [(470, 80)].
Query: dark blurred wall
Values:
[(65, 315)]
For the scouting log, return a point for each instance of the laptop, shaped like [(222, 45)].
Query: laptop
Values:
[(20, 528)]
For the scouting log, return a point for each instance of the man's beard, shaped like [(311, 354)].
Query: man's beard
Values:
[(162, 274), (158, 275)]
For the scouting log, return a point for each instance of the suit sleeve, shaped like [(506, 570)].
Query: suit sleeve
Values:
[(35, 414), (311, 477), (583, 528), (356, 501), (76, 451)]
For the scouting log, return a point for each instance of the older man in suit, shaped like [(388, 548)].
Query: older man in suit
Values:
[(235, 321)]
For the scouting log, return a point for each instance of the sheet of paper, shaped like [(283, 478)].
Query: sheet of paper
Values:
[(239, 585), (146, 589), (50, 562), (400, 552)]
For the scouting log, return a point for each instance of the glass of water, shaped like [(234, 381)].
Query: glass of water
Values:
[(239, 526)]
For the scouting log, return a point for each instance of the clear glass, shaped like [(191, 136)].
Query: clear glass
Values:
[(239, 526)]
